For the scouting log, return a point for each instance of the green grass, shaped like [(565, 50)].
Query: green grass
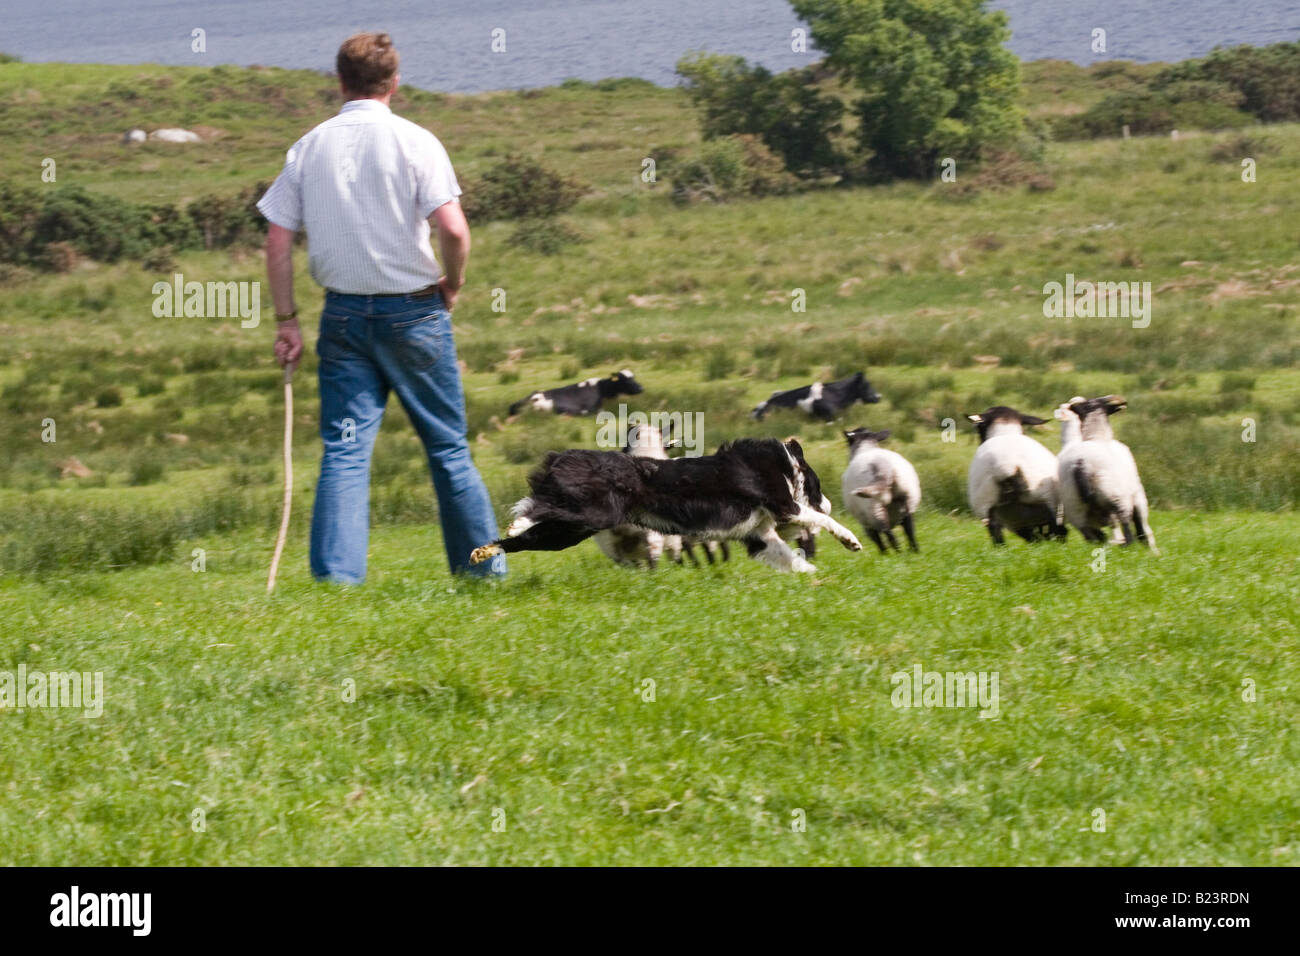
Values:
[(1119, 690)]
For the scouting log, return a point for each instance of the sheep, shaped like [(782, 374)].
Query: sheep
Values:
[(1098, 478), (1071, 427), (881, 488), (174, 135), (1071, 432), (1012, 481), (629, 544)]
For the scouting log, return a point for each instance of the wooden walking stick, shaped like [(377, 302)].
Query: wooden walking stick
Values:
[(288, 477)]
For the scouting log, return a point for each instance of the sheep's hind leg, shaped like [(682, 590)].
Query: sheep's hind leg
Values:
[(910, 530), (876, 539), (1144, 532), (995, 530), (1125, 530)]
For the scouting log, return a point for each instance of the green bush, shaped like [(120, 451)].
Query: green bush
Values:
[(729, 168), (519, 188), (145, 469), (110, 397), (222, 221), (720, 364), (1265, 81), (1147, 111), (787, 111), (50, 229), (547, 236)]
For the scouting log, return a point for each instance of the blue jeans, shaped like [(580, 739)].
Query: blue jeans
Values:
[(369, 345)]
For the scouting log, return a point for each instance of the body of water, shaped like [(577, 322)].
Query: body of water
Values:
[(447, 44)]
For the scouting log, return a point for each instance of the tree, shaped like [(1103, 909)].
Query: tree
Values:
[(935, 77)]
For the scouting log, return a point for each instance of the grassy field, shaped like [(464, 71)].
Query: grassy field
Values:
[(1121, 689)]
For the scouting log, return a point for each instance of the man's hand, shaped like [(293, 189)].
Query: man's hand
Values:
[(449, 292), (453, 243), (288, 343), (279, 270)]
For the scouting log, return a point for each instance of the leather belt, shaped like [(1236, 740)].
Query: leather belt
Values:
[(427, 292)]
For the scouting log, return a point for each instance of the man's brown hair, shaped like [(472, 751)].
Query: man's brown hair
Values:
[(367, 63)]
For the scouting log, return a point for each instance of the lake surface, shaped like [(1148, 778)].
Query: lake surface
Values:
[(447, 44)]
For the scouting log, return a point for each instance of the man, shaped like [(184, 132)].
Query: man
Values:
[(365, 186)]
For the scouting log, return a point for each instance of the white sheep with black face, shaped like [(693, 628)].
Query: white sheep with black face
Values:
[(1098, 477), (1071, 427), (881, 488), (628, 544), (1012, 481)]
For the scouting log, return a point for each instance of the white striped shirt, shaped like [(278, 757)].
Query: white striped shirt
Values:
[(363, 185)]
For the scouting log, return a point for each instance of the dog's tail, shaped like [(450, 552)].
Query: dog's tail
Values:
[(517, 406), (759, 411)]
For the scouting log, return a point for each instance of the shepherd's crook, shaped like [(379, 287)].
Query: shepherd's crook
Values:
[(288, 476)]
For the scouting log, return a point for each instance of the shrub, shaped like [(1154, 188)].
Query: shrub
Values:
[(730, 167), (547, 236), (1146, 111), (162, 259), (1265, 79), (721, 362), (520, 188), (110, 397), (50, 230), (1239, 146), (59, 257), (787, 111), (145, 469), (222, 221)]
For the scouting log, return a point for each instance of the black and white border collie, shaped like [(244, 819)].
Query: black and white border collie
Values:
[(824, 400), (754, 490), (584, 398)]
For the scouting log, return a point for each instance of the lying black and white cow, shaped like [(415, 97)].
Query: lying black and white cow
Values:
[(583, 398), (822, 400), (754, 490)]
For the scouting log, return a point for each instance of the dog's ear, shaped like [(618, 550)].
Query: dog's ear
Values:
[(795, 448)]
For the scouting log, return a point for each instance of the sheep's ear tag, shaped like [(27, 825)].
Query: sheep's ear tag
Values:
[(614, 377), (975, 418)]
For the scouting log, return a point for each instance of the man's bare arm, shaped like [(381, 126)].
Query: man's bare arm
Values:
[(279, 272), (453, 248)]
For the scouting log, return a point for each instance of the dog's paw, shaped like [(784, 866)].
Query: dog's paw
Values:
[(481, 554), (852, 543), (801, 566)]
